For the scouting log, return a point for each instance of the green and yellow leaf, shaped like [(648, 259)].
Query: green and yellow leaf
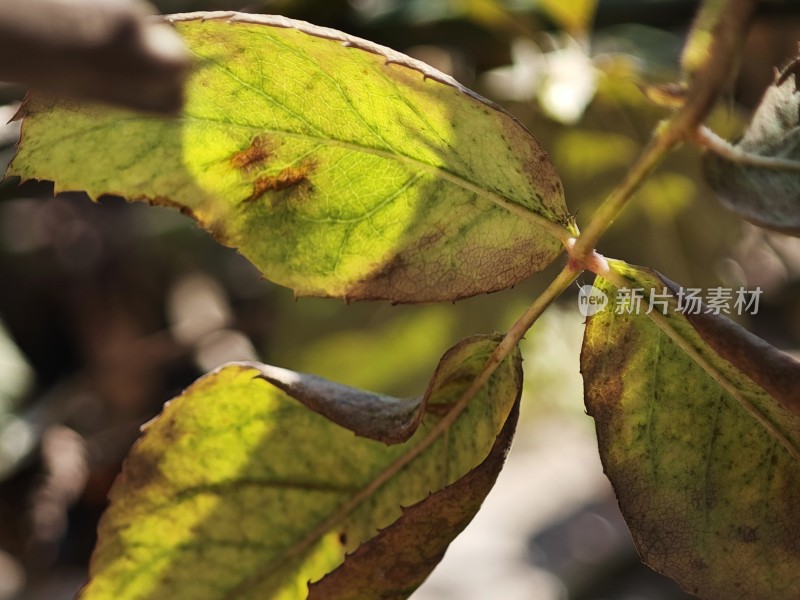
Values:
[(238, 490), (698, 424)]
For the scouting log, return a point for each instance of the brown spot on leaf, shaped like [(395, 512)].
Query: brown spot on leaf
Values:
[(255, 155), (698, 564), (431, 239), (290, 178), (747, 534)]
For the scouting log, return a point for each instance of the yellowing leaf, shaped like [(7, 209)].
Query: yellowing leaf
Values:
[(698, 424), (338, 167), (238, 490)]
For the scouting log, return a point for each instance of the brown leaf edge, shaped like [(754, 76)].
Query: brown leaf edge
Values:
[(349, 41), (394, 563)]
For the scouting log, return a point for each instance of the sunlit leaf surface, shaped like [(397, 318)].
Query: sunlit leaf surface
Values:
[(238, 490)]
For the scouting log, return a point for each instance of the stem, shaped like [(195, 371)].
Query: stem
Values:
[(664, 139), (500, 353), (709, 57)]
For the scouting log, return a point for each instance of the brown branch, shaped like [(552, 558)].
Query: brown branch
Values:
[(114, 52)]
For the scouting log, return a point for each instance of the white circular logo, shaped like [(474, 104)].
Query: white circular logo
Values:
[(591, 300)]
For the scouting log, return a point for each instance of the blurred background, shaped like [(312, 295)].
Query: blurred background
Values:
[(107, 311)]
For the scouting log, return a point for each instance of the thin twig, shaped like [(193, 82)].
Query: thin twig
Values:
[(709, 59), (662, 142)]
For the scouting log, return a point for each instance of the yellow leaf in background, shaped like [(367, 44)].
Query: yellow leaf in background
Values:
[(575, 17)]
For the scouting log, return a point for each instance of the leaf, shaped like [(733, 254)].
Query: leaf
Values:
[(239, 491), (397, 560), (698, 424), (337, 166), (759, 176)]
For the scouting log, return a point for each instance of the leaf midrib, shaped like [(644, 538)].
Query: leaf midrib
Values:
[(552, 228), (619, 280), (773, 429)]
